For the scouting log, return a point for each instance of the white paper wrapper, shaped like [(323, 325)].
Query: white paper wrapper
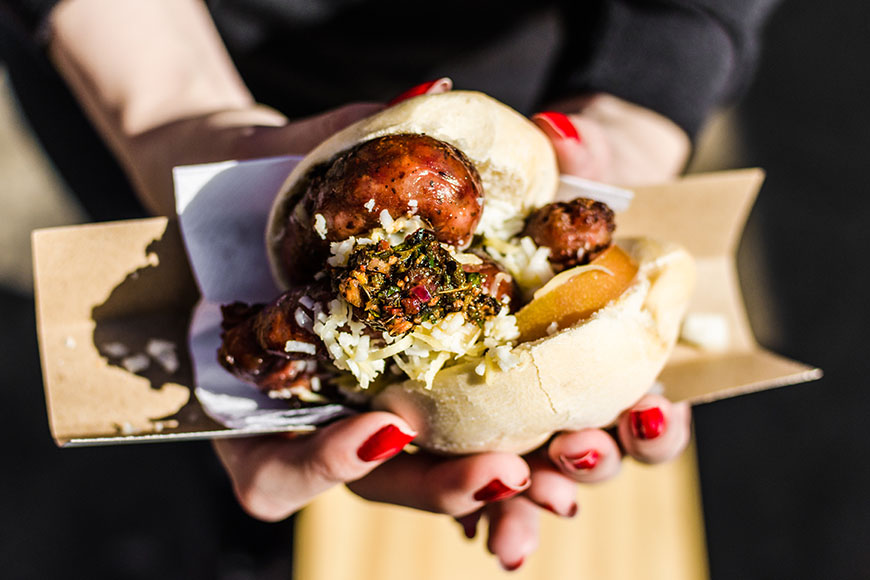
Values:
[(223, 209)]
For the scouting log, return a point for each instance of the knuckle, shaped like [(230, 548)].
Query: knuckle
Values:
[(262, 505)]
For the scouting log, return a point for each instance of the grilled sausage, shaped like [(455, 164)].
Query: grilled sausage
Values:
[(402, 174), (576, 231), (266, 344)]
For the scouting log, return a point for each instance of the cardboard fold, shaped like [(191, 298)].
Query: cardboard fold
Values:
[(106, 294)]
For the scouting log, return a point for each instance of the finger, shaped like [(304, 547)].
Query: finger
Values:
[(550, 488), (514, 527), (586, 456), (580, 144), (302, 135), (435, 87), (655, 430), (455, 486), (275, 476)]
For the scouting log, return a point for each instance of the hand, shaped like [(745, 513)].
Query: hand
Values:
[(604, 138), (651, 431), (250, 132)]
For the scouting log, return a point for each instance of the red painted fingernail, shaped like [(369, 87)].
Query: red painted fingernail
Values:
[(647, 423), (469, 524), (560, 124), (582, 462), (572, 511), (423, 89), (388, 441), (496, 490), (515, 566), (569, 513)]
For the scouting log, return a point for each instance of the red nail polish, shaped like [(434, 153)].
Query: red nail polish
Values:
[(560, 123), (469, 524), (495, 490), (569, 513), (421, 89), (572, 511), (647, 423), (388, 441), (582, 462), (515, 566)]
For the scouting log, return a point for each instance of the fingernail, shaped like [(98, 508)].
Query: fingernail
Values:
[(388, 441), (568, 513), (647, 423), (441, 85), (515, 566), (469, 524), (559, 123), (582, 462), (497, 490)]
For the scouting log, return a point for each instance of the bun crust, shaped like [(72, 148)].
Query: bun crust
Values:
[(514, 158), (580, 377)]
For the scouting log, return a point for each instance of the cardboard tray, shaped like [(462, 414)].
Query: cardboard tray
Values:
[(107, 292)]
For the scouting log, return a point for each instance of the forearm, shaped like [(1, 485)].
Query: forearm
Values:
[(145, 71)]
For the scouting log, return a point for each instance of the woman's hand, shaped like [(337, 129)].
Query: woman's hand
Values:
[(604, 138), (250, 132)]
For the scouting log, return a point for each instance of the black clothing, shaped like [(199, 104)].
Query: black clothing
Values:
[(678, 57)]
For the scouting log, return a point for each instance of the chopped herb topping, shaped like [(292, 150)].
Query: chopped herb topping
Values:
[(393, 289)]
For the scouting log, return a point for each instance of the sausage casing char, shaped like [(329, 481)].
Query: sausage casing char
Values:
[(576, 231), (255, 337), (404, 174)]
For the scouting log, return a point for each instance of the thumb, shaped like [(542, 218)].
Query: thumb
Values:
[(275, 476), (306, 133), (279, 136), (580, 144)]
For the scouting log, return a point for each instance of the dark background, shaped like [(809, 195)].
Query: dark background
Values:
[(785, 473)]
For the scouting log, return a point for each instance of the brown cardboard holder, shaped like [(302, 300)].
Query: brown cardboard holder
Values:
[(129, 282)]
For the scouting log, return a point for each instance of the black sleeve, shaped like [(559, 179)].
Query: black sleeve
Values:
[(680, 58), (30, 14)]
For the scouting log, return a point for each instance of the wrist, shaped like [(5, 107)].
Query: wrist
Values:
[(150, 156)]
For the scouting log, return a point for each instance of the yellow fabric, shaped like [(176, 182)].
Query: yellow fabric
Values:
[(646, 523)]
